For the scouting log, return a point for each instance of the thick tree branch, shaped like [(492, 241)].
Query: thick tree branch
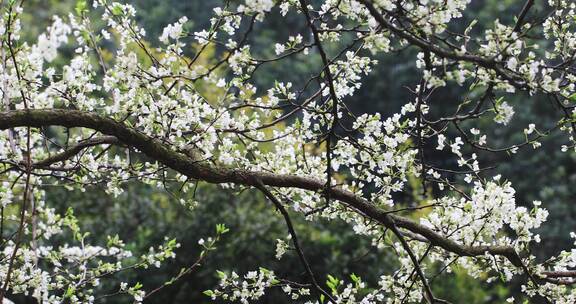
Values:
[(161, 152)]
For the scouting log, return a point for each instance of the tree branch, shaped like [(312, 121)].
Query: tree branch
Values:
[(522, 15), (488, 63), (183, 164), (72, 151), (295, 240)]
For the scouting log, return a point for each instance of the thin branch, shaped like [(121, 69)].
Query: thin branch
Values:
[(74, 150), (292, 232), (522, 15)]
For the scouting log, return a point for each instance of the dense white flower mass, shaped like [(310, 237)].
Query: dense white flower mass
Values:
[(174, 31), (259, 6), (296, 139), (504, 113), (49, 42)]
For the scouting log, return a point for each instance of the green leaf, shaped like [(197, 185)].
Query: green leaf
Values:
[(81, 7), (117, 10), (69, 292), (221, 229), (221, 274), (332, 283), (355, 278)]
